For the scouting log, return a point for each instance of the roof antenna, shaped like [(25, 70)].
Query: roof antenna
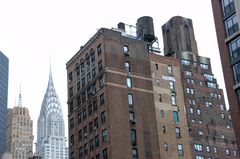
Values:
[(20, 98)]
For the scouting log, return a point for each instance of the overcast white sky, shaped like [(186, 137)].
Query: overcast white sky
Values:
[(31, 30)]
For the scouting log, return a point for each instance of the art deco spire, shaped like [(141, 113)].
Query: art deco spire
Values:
[(20, 98)]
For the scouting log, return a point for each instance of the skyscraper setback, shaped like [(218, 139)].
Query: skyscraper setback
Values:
[(50, 127), (3, 101), (127, 101), (227, 18)]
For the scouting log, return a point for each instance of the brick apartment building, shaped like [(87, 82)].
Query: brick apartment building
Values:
[(209, 123), (125, 101), (227, 18)]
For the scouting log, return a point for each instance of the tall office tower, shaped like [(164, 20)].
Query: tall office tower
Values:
[(110, 98), (50, 128), (227, 18), (209, 122), (3, 101), (170, 108), (19, 132)]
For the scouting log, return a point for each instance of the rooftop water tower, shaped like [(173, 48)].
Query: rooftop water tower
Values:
[(145, 29)]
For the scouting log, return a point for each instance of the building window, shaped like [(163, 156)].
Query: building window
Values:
[(180, 149), (171, 86), (71, 123), (95, 108), (228, 6), (92, 56), (78, 86), (235, 153), (134, 153), (85, 131), (84, 114), (104, 135), (133, 136), (200, 132), (185, 62), (211, 85), (79, 117), (80, 152), (160, 97), (169, 70), (166, 146), (175, 117), (71, 107), (209, 77), (173, 98), (178, 132), (231, 25), (80, 135), (89, 76), (204, 66), (77, 70), (156, 65), (102, 99), (191, 110), (72, 140), (101, 82), (158, 82), (164, 129), (127, 66), (72, 155), (70, 92), (83, 81), (222, 115), (98, 156), (90, 110), (105, 153), (96, 141), (82, 66), (85, 149), (162, 113), (88, 61), (199, 157), (132, 117), (234, 48), (215, 150), (90, 127), (188, 73), (198, 112), (91, 146), (100, 66), (130, 99), (99, 49), (129, 82), (93, 72), (208, 104), (103, 117), (208, 149), (187, 38), (70, 76), (96, 123), (125, 49), (198, 147), (83, 97)]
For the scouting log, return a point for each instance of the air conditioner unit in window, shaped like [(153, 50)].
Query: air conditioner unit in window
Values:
[(85, 135)]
